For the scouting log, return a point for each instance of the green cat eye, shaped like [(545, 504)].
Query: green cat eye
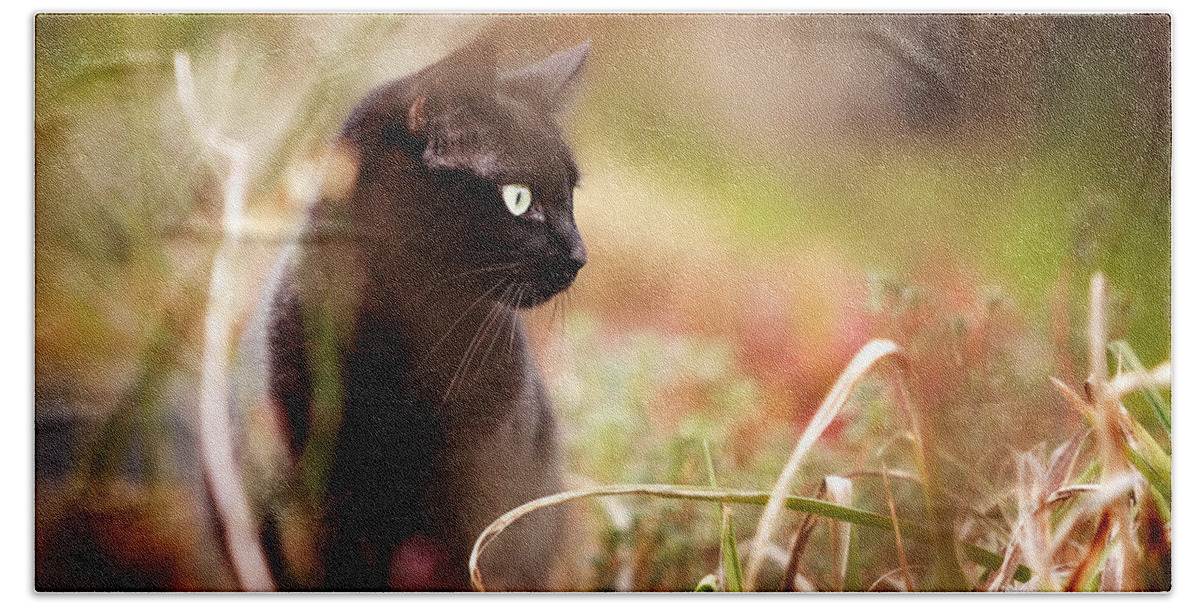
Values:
[(516, 197)]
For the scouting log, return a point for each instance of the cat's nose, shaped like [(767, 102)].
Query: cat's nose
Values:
[(578, 255), (564, 264)]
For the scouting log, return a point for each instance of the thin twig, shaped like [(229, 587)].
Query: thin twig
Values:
[(891, 502)]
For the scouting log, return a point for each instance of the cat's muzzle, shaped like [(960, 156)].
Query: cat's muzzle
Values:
[(551, 277)]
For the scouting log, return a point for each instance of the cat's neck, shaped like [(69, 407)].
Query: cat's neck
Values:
[(468, 352)]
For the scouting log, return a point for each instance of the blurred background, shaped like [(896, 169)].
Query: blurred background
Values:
[(761, 196)]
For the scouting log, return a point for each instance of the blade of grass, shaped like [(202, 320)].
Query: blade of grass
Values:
[(1097, 550), (1148, 458), (1074, 400), (216, 435), (731, 565), (1062, 462), (729, 553), (939, 510), (1105, 395), (1094, 503), (853, 579), (830, 407), (886, 577), (1128, 382), (712, 473), (1005, 573), (799, 543), (1155, 537)]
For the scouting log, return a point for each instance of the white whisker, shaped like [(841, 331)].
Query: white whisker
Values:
[(480, 332), (419, 365)]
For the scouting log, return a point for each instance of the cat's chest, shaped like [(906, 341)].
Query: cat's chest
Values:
[(424, 372), (410, 433)]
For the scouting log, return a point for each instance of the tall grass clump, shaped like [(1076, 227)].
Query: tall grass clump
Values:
[(1090, 513)]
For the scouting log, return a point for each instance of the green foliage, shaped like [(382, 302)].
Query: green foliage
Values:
[(623, 427)]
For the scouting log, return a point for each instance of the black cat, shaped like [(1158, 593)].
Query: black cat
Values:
[(401, 304)]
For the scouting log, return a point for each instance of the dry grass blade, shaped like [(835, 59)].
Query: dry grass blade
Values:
[(1098, 500), (1026, 539), (834, 401), (799, 544), (1112, 572), (1038, 488), (886, 577), (893, 473), (1105, 396), (215, 432), (1073, 398), (1128, 359), (662, 491), (1128, 382), (1066, 492), (1009, 567), (1062, 462)]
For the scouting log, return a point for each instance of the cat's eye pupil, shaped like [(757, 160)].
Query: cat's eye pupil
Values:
[(516, 197)]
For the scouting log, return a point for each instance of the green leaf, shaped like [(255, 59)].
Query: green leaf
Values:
[(712, 474), (853, 566), (708, 583), (729, 554)]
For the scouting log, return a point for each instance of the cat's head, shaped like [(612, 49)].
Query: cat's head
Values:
[(469, 164)]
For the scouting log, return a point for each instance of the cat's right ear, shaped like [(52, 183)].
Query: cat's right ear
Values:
[(550, 81)]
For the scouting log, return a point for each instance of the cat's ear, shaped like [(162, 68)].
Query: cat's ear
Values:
[(550, 81), (467, 73)]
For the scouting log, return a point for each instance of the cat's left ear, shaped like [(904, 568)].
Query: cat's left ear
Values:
[(467, 74), (550, 81)]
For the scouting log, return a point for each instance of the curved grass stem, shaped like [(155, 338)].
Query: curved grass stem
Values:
[(821, 508)]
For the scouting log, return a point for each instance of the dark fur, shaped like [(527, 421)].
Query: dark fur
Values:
[(414, 280)]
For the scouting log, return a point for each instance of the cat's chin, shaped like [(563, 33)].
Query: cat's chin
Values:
[(533, 300), (536, 295), (538, 285)]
